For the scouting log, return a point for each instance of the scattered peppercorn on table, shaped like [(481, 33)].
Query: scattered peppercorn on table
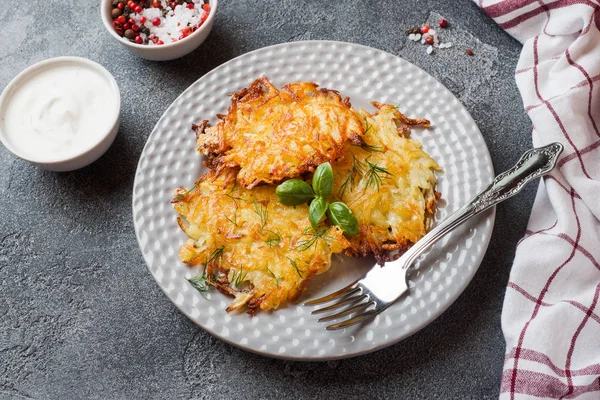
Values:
[(81, 317)]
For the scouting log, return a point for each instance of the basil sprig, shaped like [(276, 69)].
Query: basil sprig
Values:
[(294, 192), (317, 210), (339, 214), (323, 180)]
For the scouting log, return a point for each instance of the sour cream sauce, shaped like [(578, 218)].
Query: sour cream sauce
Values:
[(60, 111)]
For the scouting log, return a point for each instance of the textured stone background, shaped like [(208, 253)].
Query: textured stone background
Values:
[(80, 315)]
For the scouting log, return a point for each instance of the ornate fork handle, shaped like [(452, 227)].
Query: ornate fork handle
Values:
[(533, 164)]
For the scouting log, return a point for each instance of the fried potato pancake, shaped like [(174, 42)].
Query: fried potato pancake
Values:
[(254, 248), (388, 183), (273, 134)]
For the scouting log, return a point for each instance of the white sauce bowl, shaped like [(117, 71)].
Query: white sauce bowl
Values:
[(60, 124)]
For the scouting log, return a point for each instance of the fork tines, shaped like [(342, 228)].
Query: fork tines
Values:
[(352, 297), (331, 296)]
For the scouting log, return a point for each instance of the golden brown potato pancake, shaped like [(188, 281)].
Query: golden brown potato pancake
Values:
[(388, 182), (255, 249), (272, 134)]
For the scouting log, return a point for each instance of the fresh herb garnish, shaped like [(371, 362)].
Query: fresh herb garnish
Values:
[(367, 125), (313, 236), (370, 148), (340, 215), (296, 192), (239, 277), (273, 275), (182, 195), (356, 172), (215, 256), (263, 213), (375, 174), (273, 239), (316, 211), (323, 180), (296, 267), (201, 283), (233, 219)]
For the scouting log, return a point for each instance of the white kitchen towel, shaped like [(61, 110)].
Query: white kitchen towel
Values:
[(551, 316)]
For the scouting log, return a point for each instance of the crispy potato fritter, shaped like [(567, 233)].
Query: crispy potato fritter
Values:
[(247, 244), (389, 184), (255, 249), (273, 134)]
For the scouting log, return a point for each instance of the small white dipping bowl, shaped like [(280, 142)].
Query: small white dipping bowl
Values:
[(84, 154), (167, 51)]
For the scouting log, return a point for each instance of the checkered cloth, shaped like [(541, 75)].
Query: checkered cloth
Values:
[(551, 316)]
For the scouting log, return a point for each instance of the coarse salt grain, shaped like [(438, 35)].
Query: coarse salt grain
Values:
[(432, 43), (171, 26)]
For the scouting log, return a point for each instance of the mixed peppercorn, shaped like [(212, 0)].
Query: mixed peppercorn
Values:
[(129, 21), (428, 36)]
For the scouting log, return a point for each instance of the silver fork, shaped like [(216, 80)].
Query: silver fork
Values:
[(381, 286)]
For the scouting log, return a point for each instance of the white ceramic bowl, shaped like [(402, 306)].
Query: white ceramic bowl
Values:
[(167, 51), (87, 154)]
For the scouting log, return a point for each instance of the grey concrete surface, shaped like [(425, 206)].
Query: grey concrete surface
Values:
[(82, 318)]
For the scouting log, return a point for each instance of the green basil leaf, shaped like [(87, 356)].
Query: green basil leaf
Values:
[(316, 211), (323, 180), (339, 214), (294, 192)]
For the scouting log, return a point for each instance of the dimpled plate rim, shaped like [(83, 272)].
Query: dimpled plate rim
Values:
[(169, 160)]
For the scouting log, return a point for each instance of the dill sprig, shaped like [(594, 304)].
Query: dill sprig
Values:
[(370, 148), (239, 277), (201, 283), (313, 238), (263, 213), (215, 256), (356, 172), (233, 189), (233, 219), (229, 194), (367, 125), (273, 275), (274, 238), (293, 262), (375, 174), (182, 195), (365, 146)]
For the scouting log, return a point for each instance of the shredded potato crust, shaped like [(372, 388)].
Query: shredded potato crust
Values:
[(263, 253), (272, 134)]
